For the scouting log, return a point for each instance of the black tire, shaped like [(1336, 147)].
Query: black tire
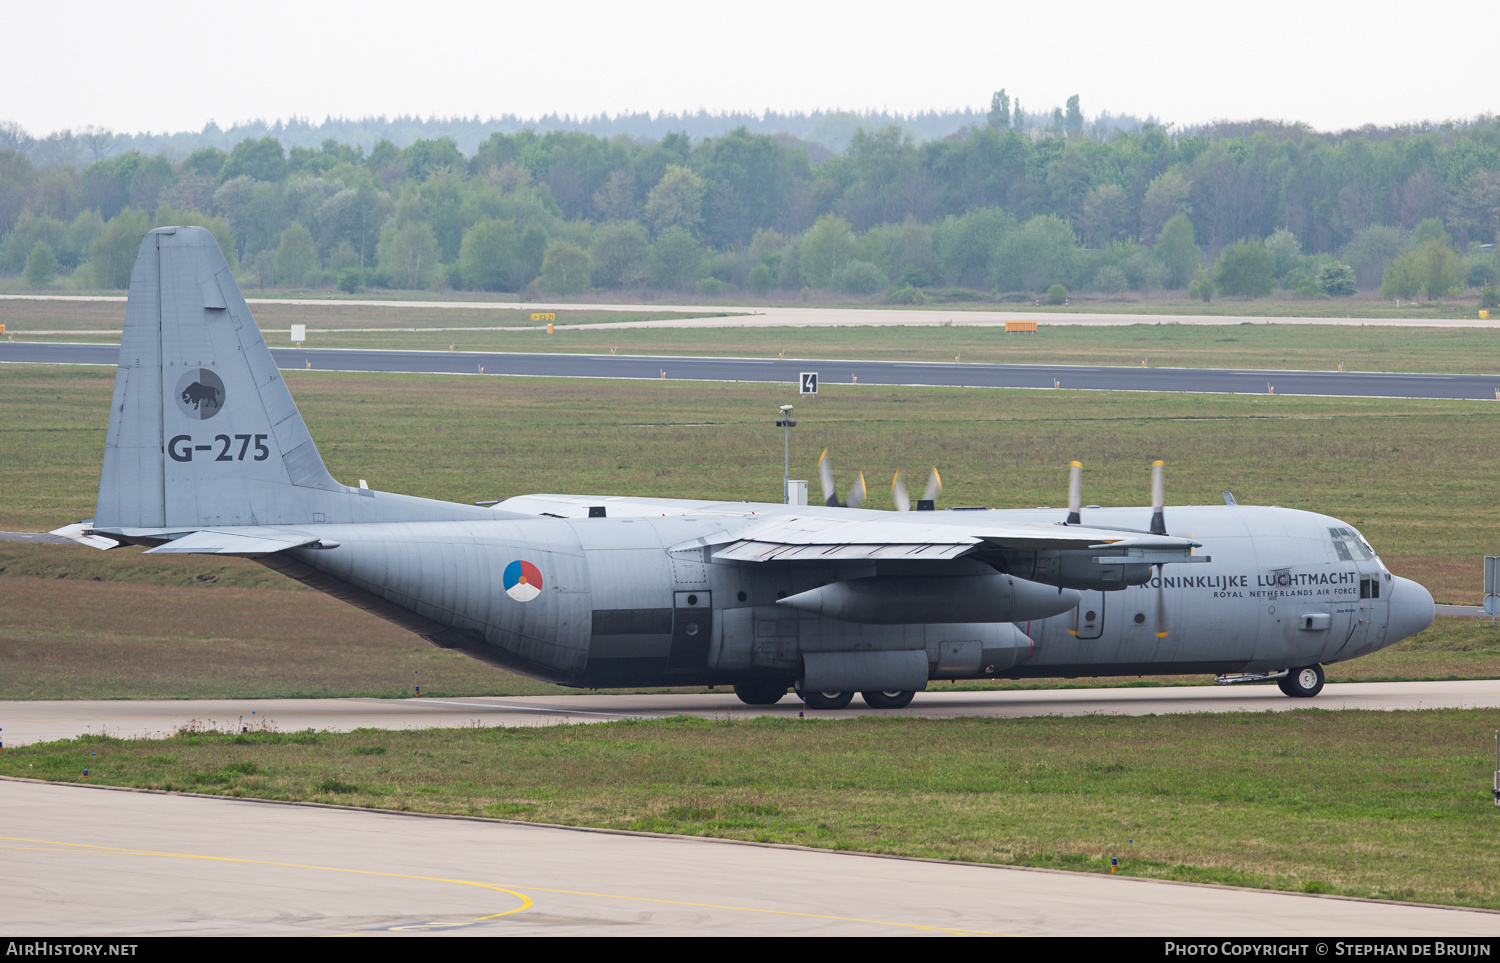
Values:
[(827, 700), (1303, 682), (887, 700), (760, 693)]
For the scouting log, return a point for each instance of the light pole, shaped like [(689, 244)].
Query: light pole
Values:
[(786, 424)]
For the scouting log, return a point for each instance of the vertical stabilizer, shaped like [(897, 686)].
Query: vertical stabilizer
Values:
[(202, 429)]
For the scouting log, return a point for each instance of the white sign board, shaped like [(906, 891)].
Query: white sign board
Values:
[(299, 333), (809, 383)]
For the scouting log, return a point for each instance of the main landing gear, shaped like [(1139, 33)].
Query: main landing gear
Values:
[(893, 699), (770, 693), (1302, 683), (760, 693)]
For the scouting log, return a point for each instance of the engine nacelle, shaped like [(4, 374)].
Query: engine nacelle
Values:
[(886, 600), (1076, 569)]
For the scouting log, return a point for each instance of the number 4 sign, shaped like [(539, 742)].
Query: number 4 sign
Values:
[(809, 383)]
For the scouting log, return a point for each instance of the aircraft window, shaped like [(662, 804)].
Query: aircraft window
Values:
[(1349, 545)]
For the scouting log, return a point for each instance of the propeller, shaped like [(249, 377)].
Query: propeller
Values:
[(830, 491), (934, 486), (1159, 527), (929, 494), (1075, 493), (825, 475), (898, 494), (1161, 606), (1158, 499)]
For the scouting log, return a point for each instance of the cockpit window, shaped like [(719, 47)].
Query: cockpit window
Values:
[(1350, 545)]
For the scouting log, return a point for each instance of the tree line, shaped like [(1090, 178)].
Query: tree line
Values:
[(1014, 205)]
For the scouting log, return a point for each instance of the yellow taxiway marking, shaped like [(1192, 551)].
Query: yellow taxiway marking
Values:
[(526, 901)]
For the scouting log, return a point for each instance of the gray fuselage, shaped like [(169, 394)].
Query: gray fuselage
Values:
[(633, 601)]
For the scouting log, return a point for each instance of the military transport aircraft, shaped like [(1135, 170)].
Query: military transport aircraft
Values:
[(207, 454)]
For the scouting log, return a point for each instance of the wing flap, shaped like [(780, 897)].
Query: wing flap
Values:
[(758, 551)]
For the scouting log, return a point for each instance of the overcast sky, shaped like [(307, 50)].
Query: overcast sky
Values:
[(1332, 64)]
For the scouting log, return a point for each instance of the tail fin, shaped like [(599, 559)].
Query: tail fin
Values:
[(202, 429)]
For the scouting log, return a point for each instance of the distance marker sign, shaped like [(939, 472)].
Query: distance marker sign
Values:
[(809, 383)]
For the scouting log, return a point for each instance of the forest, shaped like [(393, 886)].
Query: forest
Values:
[(1007, 207)]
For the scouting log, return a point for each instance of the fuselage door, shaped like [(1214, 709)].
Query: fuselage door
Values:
[(1088, 618), (692, 629)]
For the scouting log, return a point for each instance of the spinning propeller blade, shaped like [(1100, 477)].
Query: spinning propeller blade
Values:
[(934, 485), (1075, 493), (1161, 606), (1158, 500), (857, 493), (898, 494), (825, 475)]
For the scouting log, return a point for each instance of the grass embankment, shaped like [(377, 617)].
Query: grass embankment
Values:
[(1390, 805), (1247, 345), (1416, 476)]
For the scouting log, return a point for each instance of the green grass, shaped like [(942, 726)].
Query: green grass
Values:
[(1389, 805), (1302, 347)]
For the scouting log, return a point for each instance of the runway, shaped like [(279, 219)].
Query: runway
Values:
[(84, 860), (25, 722), (813, 316), (881, 373)]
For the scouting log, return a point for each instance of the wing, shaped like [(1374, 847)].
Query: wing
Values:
[(813, 538)]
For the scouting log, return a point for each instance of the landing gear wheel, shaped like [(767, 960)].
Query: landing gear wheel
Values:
[(827, 700), (760, 693), (887, 700), (1302, 683)]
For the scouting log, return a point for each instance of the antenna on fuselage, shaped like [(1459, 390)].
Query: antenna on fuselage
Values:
[(1075, 493)]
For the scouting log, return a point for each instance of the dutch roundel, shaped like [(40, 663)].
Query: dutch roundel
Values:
[(523, 581)]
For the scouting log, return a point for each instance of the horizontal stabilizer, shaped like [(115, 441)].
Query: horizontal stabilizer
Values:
[(82, 533), (263, 542)]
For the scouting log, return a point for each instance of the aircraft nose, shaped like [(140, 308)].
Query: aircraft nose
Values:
[(1411, 609)]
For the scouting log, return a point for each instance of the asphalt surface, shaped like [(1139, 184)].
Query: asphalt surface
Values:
[(84, 860), (1071, 377), (24, 722)]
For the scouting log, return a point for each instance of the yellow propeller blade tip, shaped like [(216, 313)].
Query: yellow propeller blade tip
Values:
[(1075, 464), (1157, 462)]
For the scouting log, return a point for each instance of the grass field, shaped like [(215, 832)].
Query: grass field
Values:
[(1389, 805), (1246, 345), (1416, 476)]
